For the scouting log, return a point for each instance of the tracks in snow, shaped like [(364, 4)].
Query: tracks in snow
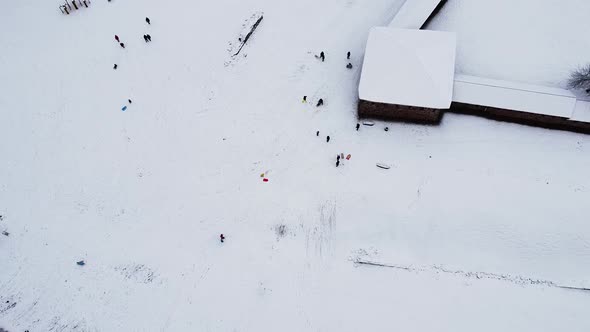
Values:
[(519, 280)]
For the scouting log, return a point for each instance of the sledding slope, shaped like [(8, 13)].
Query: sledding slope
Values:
[(142, 195)]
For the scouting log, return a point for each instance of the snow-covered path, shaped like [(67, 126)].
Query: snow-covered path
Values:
[(143, 195)]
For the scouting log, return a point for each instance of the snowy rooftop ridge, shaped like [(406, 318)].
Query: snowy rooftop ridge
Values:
[(413, 14), (409, 67), (514, 96)]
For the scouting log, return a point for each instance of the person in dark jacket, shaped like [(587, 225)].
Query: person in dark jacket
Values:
[(348, 56), (117, 38), (221, 238), (147, 19), (349, 65), (327, 139), (320, 102), (115, 66), (122, 45), (358, 125), (317, 133), (337, 163), (322, 56), (149, 38)]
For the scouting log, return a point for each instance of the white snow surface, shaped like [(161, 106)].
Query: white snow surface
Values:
[(413, 14), (142, 195), (581, 111), (409, 67), (531, 41), (513, 96)]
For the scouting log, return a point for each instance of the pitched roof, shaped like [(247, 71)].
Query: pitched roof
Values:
[(409, 67)]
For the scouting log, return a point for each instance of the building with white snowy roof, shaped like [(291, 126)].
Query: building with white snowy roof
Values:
[(407, 74)]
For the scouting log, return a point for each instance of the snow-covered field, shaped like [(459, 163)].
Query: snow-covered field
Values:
[(478, 221)]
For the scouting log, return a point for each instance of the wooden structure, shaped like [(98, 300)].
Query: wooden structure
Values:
[(407, 75)]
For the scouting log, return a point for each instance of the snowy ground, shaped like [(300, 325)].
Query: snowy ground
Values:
[(537, 42), (143, 195)]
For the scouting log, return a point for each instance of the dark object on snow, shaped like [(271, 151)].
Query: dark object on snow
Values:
[(117, 38), (349, 65), (115, 66), (588, 91), (317, 133), (305, 99), (81, 263), (221, 238), (337, 162), (122, 45), (322, 56), (358, 125), (348, 56), (337, 157), (149, 38), (147, 19), (249, 34), (320, 102), (145, 38), (386, 128), (5, 233), (129, 100), (327, 138), (384, 166)]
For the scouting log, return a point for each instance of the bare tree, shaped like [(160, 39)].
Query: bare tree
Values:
[(580, 78)]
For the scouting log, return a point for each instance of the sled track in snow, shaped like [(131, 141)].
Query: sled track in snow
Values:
[(519, 280)]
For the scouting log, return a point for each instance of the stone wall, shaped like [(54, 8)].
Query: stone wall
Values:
[(530, 119), (368, 109)]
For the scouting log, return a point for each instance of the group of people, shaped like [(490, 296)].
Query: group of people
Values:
[(146, 38), (66, 8), (319, 103), (322, 57)]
